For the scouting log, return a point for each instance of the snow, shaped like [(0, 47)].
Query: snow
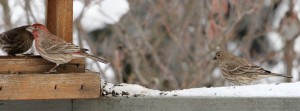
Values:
[(127, 90), (258, 90)]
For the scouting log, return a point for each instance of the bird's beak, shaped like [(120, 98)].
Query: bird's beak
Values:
[(214, 58), (30, 29)]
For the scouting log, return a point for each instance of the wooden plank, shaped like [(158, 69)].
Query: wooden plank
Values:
[(49, 86), (36, 64), (59, 18)]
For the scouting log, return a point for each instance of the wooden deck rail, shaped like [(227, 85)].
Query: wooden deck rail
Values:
[(156, 104)]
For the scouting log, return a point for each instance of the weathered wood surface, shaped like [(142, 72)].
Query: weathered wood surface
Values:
[(157, 104), (59, 18), (49, 86), (36, 64)]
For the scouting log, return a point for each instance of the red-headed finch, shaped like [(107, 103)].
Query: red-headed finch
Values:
[(16, 41), (55, 49), (239, 70)]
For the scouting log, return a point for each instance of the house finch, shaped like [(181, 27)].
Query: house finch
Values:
[(55, 49), (239, 70), (16, 41)]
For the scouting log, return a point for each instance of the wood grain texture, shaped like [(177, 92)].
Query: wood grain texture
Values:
[(49, 86), (36, 64), (59, 18)]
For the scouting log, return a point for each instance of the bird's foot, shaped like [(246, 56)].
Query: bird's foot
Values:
[(28, 54), (10, 72), (53, 69), (19, 73), (51, 72)]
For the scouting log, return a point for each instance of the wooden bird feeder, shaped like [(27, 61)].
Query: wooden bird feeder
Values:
[(22, 77)]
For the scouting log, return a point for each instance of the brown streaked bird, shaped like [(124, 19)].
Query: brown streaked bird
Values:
[(16, 41), (57, 50), (239, 70)]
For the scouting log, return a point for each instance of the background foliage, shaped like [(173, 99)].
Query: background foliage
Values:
[(169, 44)]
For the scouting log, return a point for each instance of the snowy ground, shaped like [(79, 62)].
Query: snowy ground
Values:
[(259, 90)]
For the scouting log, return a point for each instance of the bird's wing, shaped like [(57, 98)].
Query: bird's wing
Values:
[(55, 44), (8, 37), (246, 69), (233, 67), (63, 48), (71, 48), (55, 48), (52, 44)]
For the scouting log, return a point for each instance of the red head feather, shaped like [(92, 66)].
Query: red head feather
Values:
[(40, 26), (35, 27)]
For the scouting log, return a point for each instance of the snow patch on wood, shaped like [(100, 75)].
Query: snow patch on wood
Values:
[(258, 90)]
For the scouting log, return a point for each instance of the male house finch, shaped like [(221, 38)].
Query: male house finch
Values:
[(55, 49), (16, 41), (239, 70)]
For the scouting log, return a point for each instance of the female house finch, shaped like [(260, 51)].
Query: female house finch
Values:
[(55, 49), (16, 41), (239, 70)]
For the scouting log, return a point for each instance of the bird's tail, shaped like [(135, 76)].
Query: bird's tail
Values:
[(281, 75), (100, 59)]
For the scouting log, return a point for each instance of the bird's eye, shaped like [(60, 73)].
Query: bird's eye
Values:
[(35, 27), (218, 55)]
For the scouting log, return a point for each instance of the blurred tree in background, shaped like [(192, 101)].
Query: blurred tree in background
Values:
[(169, 44)]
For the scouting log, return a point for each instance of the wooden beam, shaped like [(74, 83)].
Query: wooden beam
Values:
[(36, 64), (49, 86), (59, 18)]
